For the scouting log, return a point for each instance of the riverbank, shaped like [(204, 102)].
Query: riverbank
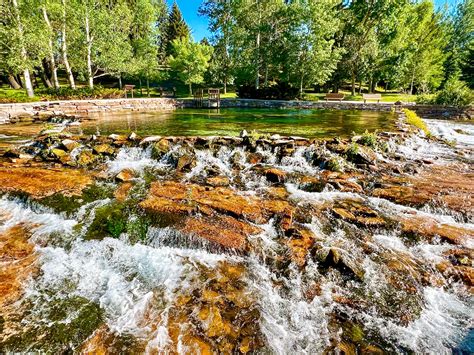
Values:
[(43, 111), (237, 244)]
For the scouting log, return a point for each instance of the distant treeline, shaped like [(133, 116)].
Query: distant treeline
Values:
[(399, 44)]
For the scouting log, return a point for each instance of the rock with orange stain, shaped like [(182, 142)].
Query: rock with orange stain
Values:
[(223, 230), (429, 228), (447, 186), (42, 182), (300, 243), (18, 258), (122, 191), (191, 197), (355, 212)]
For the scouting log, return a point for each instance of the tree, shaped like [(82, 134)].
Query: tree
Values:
[(176, 28), (191, 60), (309, 56), (461, 41), (105, 38)]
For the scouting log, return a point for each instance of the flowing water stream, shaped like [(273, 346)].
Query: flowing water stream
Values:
[(290, 260)]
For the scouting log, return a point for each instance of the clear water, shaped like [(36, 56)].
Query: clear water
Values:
[(230, 121)]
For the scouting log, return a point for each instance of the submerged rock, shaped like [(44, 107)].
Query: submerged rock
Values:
[(41, 182)]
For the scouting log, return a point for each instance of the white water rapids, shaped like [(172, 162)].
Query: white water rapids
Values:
[(123, 278)]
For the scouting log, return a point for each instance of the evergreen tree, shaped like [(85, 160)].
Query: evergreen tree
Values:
[(176, 29)]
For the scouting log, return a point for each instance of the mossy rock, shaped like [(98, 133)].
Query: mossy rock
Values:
[(104, 149), (160, 148), (86, 157), (109, 221)]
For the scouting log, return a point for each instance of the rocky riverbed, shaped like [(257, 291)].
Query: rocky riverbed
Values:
[(251, 244)]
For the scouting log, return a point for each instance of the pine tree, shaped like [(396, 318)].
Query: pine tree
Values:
[(176, 28)]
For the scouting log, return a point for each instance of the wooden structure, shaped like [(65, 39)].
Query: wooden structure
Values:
[(127, 88), (377, 97), (334, 96), (167, 92), (214, 97), (198, 97)]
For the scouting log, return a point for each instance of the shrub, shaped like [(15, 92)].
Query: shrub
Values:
[(415, 120), (455, 93), (66, 93), (280, 91), (352, 151), (368, 139)]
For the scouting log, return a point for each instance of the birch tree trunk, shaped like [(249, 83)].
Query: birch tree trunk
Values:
[(257, 63), (54, 69), (70, 77), (90, 76), (26, 71)]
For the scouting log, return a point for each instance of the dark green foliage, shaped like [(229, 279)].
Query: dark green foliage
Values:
[(455, 93), (109, 220), (65, 93), (176, 28), (368, 139), (280, 91)]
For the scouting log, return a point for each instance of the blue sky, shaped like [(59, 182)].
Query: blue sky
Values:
[(198, 24)]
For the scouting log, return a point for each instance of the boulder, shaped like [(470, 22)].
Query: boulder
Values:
[(125, 175), (104, 149)]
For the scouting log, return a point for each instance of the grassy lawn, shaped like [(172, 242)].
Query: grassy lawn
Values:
[(386, 97)]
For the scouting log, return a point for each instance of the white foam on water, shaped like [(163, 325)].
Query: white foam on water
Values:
[(390, 242), (118, 276), (443, 322), (462, 133), (319, 197), (134, 158), (289, 322), (205, 160), (41, 223)]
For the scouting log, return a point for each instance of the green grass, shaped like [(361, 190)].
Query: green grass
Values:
[(386, 97)]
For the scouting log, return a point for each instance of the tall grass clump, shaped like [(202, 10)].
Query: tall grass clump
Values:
[(415, 120)]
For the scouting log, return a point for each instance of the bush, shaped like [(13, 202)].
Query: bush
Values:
[(280, 91), (368, 139), (455, 93), (66, 93), (415, 120)]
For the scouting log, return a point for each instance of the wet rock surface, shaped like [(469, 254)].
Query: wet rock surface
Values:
[(251, 244)]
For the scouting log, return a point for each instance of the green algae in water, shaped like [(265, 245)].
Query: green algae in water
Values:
[(69, 204), (63, 325), (230, 121)]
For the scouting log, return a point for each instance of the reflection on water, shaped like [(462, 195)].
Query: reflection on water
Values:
[(230, 121)]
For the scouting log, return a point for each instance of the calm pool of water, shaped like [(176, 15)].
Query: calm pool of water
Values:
[(230, 121)]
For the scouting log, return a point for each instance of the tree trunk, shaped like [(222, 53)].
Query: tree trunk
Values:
[(266, 75), (370, 85), (90, 76), (52, 61), (257, 63), (147, 87), (70, 77), (44, 75), (26, 71), (412, 81), (360, 87), (353, 83), (120, 81), (13, 83), (140, 83), (301, 84), (225, 86), (190, 89)]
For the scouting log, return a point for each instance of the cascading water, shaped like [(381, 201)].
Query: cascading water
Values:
[(321, 262)]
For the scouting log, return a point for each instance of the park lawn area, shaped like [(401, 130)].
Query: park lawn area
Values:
[(386, 97)]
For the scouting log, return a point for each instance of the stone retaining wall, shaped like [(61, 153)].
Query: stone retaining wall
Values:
[(87, 108), (80, 108)]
